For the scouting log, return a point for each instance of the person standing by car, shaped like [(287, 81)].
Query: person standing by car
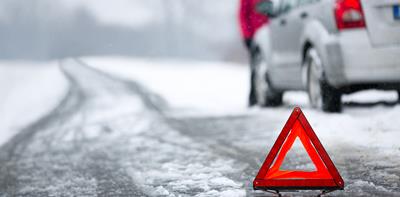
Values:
[(250, 21)]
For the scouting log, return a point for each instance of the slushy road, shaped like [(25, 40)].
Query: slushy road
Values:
[(114, 137)]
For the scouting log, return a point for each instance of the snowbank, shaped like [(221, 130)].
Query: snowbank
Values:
[(365, 120), (201, 86), (28, 90)]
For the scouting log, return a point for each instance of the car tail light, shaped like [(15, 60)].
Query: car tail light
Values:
[(349, 14)]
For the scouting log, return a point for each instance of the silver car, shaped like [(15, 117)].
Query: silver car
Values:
[(328, 48)]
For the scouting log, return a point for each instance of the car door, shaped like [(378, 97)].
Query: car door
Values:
[(306, 9), (285, 38)]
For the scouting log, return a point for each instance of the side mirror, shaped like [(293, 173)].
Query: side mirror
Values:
[(266, 7)]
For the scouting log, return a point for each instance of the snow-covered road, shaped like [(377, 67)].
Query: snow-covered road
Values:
[(187, 133)]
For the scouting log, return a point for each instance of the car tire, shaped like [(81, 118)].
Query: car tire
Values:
[(321, 94), (266, 94), (398, 96)]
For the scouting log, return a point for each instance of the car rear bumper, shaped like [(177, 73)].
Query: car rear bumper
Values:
[(351, 59)]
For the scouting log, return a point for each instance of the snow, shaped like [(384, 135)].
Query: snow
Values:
[(165, 161), (201, 86), (159, 159), (28, 90), (216, 89), (180, 165), (359, 187)]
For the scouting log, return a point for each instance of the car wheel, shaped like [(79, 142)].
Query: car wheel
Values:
[(266, 95), (321, 94)]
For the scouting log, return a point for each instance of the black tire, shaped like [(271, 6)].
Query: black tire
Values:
[(252, 95), (273, 98), (321, 93), (265, 94), (331, 98), (398, 96)]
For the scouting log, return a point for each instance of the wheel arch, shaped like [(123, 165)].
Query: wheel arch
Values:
[(314, 35)]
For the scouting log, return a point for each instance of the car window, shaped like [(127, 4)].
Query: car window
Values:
[(287, 5)]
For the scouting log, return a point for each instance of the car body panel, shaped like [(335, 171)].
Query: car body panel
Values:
[(383, 28)]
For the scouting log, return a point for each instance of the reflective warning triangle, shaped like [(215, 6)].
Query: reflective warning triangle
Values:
[(272, 177)]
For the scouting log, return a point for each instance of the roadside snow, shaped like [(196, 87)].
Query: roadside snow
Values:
[(216, 87), (368, 123), (28, 90)]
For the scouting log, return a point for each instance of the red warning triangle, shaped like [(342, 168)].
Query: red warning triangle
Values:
[(271, 177)]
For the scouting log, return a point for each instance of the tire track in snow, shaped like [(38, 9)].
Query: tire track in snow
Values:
[(38, 161)]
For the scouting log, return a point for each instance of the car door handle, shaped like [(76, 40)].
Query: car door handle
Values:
[(283, 22), (303, 15)]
